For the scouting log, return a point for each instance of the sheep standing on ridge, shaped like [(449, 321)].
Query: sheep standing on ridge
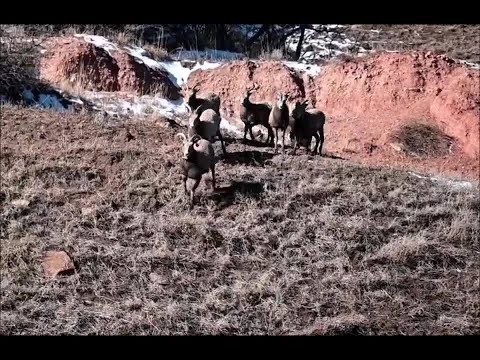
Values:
[(210, 101), (255, 114), (198, 159), (206, 124), (305, 124), (279, 118)]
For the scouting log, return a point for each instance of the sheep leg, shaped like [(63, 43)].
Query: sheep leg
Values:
[(185, 184), (276, 141), (219, 134), (212, 169), (322, 140), (251, 132), (295, 144), (283, 141), (245, 133), (271, 136), (317, 141), (191, 189)]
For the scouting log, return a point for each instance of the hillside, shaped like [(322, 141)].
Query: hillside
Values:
[(285, 246)]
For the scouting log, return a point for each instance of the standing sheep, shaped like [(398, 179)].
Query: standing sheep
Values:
[(255, 114), (198, 158), (206, 123), (305, 124), (279, 118), (210, 101)]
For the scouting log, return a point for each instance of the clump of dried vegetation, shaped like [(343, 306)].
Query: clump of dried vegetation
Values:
[(292, 245), (423, 139)]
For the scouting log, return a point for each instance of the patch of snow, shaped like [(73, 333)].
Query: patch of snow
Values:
[(454, 184), (141, 106), (206, 66), (177, 70), (308, 69), (99, 41), (76, 100), (334, 26), (28, 95), (327, 44), (469, 64), (138, 54), (44, 100), (177, 73), (50, 101)]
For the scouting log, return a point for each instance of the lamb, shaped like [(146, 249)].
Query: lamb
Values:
[(210, 101), (198, 159), (255, 114), (305, 124), (206, 124), (279, 118)]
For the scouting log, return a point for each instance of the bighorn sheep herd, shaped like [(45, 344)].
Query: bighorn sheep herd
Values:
[(204, 126)]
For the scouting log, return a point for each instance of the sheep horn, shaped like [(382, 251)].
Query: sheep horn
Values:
[(182, 136), (189, 109), (195, 138)]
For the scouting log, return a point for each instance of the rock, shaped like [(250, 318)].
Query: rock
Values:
[(57, 263), (88, 211), (21, 203), (396, 147), (158, 279)]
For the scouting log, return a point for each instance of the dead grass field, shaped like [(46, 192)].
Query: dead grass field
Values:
[(301, 245), (459, 41)]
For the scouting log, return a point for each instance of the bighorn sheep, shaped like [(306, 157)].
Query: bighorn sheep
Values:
[(305, 124), (206, 124), (198, 159), (210, 101), (279, 118), (255, 114)]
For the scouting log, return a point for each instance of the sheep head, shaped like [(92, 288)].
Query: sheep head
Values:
[(192, 93), (299, 110), (282, 100), (248, 93), (188, 146)]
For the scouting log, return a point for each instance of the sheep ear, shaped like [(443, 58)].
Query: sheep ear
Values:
[(305, 103), (189, 109)]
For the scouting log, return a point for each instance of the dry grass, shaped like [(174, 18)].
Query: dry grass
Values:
[(292, 246), (157, 53), (457, 41), (419, 138), (275, 54)]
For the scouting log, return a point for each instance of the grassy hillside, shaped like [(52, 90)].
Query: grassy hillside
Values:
[(293, 245)]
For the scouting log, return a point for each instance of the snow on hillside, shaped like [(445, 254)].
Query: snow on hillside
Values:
[(326, 42), (315, 46)]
